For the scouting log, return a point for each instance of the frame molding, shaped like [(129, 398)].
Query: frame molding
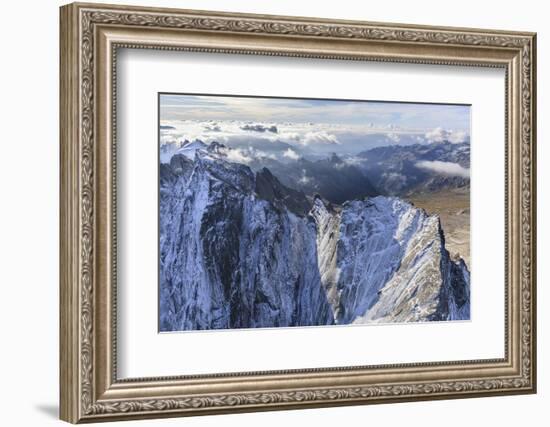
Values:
[(90, 36)]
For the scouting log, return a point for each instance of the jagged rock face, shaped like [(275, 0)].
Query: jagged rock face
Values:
[(327, 221), (411, 276), (230, 259), (383, 260), (238, 249), (269, 188)]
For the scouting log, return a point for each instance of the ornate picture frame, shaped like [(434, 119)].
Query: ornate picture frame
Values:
[(91, 34)]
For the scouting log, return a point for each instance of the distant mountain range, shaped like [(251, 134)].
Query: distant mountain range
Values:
[(332, 178), (392, 170), (404, 169)]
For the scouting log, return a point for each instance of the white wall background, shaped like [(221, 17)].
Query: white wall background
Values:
[(29, 170)]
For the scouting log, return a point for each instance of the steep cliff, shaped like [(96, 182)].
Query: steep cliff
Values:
[(230, 258)]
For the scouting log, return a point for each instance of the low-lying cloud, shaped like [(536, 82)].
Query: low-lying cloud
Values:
[(441, 135), (304, 179), (239, 156), (319, 137), (291, 154), (444, 168)]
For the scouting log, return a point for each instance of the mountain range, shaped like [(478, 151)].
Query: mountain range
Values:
[(397, 170), (245, 246), (405, 169), (332, 177)]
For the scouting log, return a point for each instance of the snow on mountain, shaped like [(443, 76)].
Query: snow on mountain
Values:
[(190, 148), (392, 265), (238, 249), (229, 259), (327, 221), (383, 260)]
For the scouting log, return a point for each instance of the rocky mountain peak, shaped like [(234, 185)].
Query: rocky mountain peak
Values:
[(269, 188), (216, 148)]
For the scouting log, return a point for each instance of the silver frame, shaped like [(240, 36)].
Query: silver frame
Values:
[(90, 37)]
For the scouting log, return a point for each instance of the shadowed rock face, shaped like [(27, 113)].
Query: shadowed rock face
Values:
[(332, 178), (232, 259), (239, 249), (269, 188)]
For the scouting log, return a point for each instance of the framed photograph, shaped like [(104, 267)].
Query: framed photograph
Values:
[(267, 212)]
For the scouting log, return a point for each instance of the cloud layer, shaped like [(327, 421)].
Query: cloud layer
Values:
[(289, 141), (440, 135), (444, 168), (291, 154)]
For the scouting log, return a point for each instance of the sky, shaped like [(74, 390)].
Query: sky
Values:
[(308, 127)]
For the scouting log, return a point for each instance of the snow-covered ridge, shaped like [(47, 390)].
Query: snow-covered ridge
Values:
[(393, 266), (240, 250)]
